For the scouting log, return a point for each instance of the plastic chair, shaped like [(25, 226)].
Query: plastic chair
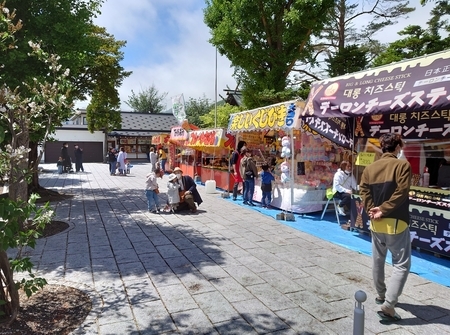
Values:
[(335, 204)]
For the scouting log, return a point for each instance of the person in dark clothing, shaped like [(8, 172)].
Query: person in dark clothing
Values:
[(67, 162), (235, 162), (78, 152), (188, 192), (112, 159)]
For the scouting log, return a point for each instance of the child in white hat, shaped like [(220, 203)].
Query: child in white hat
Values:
[(173, 195)]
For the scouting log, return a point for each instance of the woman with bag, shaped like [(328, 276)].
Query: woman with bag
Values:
[(249, 172)]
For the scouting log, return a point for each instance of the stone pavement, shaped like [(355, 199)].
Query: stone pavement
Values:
[(226, 269)]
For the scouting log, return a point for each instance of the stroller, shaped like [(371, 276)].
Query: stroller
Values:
[(68, 168), (128, 166)]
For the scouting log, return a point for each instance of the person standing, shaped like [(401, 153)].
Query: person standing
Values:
[(249, 171), (384, 189), (112, 159), (66, 158), (162, 159), (60, 165), (121, 157), (147, 152), (343, 185), (189, 193), (266, 186), (236, 162), (78, 152), (152, 190), (153, 158)]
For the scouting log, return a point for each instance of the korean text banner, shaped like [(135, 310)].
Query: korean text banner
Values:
[(279, 116), (416, 85)]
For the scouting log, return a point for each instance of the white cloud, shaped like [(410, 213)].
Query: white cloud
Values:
[(167, 46)]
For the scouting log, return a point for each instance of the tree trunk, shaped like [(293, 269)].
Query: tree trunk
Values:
[(18, 187), (8, 293), (33, 156)]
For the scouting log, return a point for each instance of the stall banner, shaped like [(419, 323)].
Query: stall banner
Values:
[(416, 85), (160, 139), (178, 134), (429, 220), (212, 138), (335, 129), (279, 116), (430, 229), (414, 125)]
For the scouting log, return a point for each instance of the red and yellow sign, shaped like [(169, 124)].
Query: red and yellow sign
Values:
[(211, 138), (160, 139)]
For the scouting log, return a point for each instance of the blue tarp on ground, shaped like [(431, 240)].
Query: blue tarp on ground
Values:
[(424, 264)]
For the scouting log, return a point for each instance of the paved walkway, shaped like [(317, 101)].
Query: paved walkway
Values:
[(226, 269)]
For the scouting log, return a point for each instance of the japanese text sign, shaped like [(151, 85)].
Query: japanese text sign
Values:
[(279, 116), (405, 87), (365, 158)]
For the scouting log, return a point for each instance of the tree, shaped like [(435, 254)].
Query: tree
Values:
[(347, 60), (419, 41), (17, 114), (195, 108), (147, 101), (219, 120), (340, 38), (265, 39), (88, 55)]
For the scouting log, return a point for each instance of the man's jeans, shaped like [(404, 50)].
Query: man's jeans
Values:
[(112, 167), (249, 189)]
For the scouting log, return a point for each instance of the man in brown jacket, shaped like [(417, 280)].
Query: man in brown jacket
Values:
[(384, 189)]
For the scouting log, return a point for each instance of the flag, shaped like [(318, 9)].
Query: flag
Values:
[(178, 108)]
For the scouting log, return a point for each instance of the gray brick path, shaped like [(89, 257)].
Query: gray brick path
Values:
[(224, 270)]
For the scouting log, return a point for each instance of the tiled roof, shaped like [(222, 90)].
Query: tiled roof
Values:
[(145, 122)]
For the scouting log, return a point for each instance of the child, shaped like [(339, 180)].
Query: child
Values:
[(266, 186), (60, 165), (173, 195)]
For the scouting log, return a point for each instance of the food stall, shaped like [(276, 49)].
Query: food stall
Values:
[(409, 98), (183, 157), (215, 146), (302, 176)]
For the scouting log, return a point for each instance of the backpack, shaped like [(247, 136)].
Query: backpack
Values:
[(248, 171)]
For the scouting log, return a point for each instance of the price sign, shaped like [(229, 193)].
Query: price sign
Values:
[(365, 158)]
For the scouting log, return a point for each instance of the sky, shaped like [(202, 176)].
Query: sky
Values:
[(167, 47)]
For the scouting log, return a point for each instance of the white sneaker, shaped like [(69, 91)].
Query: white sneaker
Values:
[(341, 211)]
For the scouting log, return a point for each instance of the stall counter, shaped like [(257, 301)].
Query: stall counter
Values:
[(188, 169), (224, 179), (306, 199), (429, 218)]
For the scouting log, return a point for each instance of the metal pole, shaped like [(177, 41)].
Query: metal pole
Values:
[(215, 94), (358, 315)]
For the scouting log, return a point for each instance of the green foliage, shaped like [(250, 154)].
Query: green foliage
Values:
[(209, 120), (265, 39), (13, 236), (350, 59), (418, 41), (270, 97), (148, 100), (196, 108), (65, 27)]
